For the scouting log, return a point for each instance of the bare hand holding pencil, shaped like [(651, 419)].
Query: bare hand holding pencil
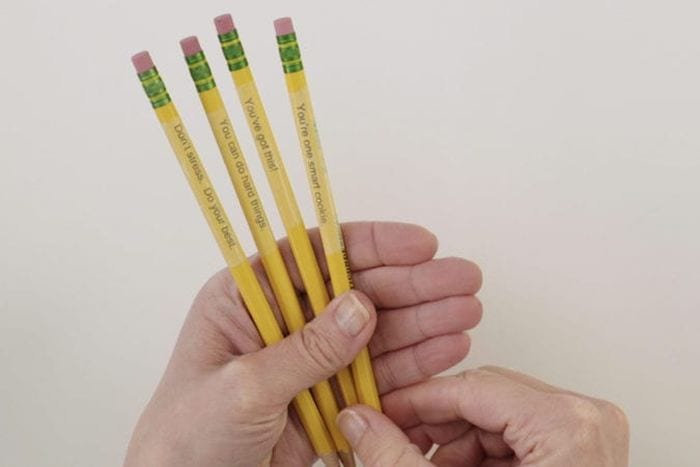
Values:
[(223, 400)]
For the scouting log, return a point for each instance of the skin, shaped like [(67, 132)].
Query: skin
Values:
[(224, 400), (490, 417)]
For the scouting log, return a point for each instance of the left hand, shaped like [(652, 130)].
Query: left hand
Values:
[(223, 400)]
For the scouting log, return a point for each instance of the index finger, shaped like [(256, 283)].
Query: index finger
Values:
[(487, 400), (373, 244), (370, 245)]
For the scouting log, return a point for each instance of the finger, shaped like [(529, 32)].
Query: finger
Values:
[(403, 327), (474, 445), (523, 379), (534, 382), (424, 435), (371, 244), (411, 365), (324, 346), (217, 317), (294, 442), (463, 451), (376, 440), (396, 286), (494, 445), (485, 399)]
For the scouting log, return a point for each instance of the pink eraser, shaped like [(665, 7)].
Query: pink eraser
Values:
[(224, 24), (142, 62), (190, 46), (284, 26)]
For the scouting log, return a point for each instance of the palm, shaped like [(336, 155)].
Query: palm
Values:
[(423, 305)]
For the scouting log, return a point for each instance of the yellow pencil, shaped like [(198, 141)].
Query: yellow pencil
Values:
[(331, 233), (223, 232), (256, 217), (285, 200)]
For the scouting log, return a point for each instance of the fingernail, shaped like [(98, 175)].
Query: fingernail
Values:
[(351, 315), (352, 424)]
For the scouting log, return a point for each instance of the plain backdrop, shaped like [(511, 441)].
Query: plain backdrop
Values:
[(554, 143)]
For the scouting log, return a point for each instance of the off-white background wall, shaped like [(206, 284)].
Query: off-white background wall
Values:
[(555, 143)]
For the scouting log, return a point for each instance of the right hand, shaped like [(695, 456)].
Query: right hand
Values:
[(488, 417)]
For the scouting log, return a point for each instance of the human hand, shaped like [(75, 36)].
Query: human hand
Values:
[(488, 417), (223, 400)]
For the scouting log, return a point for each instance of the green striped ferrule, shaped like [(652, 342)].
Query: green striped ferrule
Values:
[(290, 53), (200, 72), (233, 50), (154, 87)]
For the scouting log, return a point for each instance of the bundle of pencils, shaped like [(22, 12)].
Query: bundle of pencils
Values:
[(319, 407)]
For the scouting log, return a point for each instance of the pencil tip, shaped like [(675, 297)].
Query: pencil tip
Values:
[(347, 458)]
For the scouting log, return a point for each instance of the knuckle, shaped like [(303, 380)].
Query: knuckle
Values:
[(582, 411), (586, 423), (617, 417), (387, 373), (472, 379), (477, 374), (490, 368), (206, 300), (318, 349), (584, 419)]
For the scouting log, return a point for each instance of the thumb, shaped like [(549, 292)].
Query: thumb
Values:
[(316, 352), (376, 440)]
